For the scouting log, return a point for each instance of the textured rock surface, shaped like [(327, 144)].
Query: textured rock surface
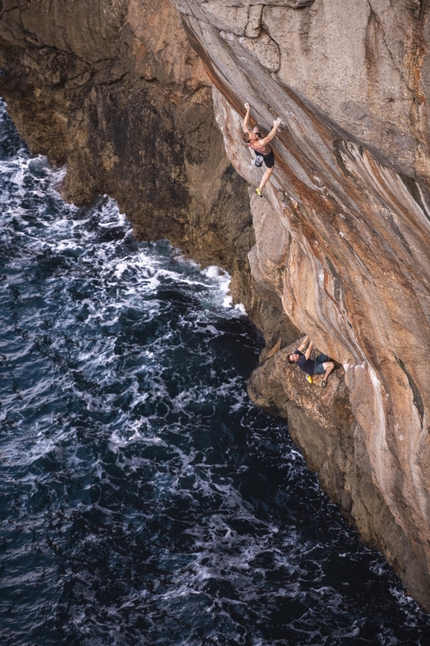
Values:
[(334, 445), (117, 92), (346, 243), (342, 238)]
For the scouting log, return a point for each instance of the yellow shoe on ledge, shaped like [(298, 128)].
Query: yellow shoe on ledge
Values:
[(309, 379)]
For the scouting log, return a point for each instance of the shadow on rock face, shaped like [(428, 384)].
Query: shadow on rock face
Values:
[(276, 383)]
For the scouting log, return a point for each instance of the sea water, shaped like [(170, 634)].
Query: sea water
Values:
[(144, 499)]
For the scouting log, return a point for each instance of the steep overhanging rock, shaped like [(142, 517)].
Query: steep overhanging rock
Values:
[(351, 256), (340, 245), (116, 92), (335, 446)]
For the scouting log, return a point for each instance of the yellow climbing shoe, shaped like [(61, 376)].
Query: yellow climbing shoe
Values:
[(259, 192), (309, 379)]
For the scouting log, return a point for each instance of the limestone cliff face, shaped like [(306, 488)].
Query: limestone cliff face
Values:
[(115, 90), (342, 236)]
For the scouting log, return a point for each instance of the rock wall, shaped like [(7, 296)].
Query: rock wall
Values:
[(342, 236), (117, 92)]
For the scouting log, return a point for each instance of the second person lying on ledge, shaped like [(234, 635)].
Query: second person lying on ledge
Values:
[(322, 364), (260, 145)]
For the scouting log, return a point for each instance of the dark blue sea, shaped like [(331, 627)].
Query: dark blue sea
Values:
[(144, 499)]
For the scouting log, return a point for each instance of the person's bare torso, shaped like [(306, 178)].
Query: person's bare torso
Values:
[(262, 150)]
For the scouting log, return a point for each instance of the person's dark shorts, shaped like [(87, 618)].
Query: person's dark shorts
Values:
[(269, 159), (319, 360)]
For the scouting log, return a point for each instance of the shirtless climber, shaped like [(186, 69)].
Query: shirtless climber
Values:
[(321, 364), (260, 145)]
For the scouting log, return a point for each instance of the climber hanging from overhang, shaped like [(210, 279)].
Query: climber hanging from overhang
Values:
[(322, 364), (260, 145)]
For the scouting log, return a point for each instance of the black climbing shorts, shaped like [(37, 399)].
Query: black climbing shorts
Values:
[(269, 159)]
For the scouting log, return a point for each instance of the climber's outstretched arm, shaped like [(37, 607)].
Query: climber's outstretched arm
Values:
[(245, 125), (309, 350), (272, 133), (303, 344)]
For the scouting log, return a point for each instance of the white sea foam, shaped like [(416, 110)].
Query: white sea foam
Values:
[(136, 471)]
